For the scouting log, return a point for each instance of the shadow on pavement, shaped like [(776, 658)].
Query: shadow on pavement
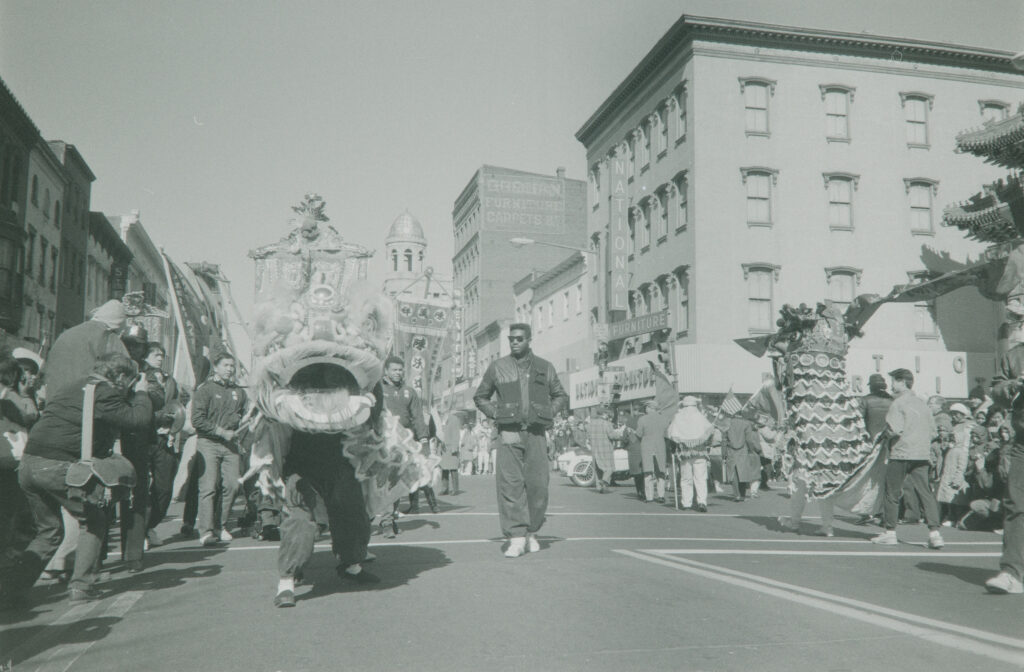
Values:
[(976, 576), (807, 528), (395, 565), (21, 644), (157, 579), (406, 524)]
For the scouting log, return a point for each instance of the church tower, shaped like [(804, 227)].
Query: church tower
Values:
[(404, 249)]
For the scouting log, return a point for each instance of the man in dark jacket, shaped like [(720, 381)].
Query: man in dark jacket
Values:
[(875, 404), (521, 393), (217, 410), (403, 402), (742, 450), (1006, 389), (54, 444)]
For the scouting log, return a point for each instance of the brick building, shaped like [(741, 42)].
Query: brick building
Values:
[(74, 235)]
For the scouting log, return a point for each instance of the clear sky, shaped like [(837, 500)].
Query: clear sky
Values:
[(213, 118)]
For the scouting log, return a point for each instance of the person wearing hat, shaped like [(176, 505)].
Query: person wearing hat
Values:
[(951, 484), (910, 427), (76, 350), (692, 434), (1007, 385), (651, 429), (742, 448), (600, 434), (875, 405)]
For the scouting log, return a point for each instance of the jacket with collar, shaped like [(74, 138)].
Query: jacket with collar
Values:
[(217, 405), (500, 394)]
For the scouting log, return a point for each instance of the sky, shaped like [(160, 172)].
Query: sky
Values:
[(214, 118)]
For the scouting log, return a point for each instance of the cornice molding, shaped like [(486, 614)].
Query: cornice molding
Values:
[(839, 175), (907, 95), (911, 181), (849, 270), (759, 170), (761, 266), (848, 90)]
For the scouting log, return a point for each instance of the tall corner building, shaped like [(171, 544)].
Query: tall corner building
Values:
[(499, 204), (741, 166)]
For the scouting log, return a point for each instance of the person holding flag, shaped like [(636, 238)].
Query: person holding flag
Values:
[(742, 448)]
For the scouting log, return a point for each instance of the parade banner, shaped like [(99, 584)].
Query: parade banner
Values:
[(196, 332), (421, 330)]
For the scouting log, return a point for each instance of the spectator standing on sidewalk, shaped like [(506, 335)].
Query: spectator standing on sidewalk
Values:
[(521, 393), (651, 428), (911, 427)]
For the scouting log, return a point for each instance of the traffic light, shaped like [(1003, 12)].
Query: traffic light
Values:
[(665, 356)]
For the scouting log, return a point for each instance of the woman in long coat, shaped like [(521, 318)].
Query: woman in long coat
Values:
[(742, 447), (653, 454), (600, 435)]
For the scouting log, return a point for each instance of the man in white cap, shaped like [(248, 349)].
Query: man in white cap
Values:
[(76, 350), (692, 433)]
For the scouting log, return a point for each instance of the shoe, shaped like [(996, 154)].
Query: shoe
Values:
[(947, 523), (826, 532), (660, 500), (532, 545), (935, 540), (225, 535), (370, 557), (887, 538), (54, 576), (516, 547), (362, 576), (80, 595), (702, 508), (863, 520), (754, 495), (209, 539), (285, 598), (1004, 583), (135, 566), (738, 500), (786, 523), (412, 510), (187, 531), (153, 539)]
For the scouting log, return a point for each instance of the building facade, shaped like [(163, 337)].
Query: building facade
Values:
[(107, 262), (742, 166), (18, 136), (75, 229), (47, 185), (146, 274)]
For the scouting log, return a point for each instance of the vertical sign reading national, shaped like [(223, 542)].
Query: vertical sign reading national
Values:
[(618, 230)]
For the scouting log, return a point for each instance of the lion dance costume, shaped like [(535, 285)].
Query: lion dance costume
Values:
[(323, 441)]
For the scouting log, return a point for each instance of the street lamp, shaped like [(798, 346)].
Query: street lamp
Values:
[(522, 242)]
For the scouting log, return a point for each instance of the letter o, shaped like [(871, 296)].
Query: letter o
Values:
[(958, 364)]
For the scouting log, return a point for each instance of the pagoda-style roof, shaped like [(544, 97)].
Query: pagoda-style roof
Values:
[(995, 215), (999, 142)]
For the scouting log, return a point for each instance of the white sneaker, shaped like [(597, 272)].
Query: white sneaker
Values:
[(935, 540), (225, 535), (532, 545), (947, 523), (209, 539), (153, 539), (887, 538), (1004, 584), (516, 547)]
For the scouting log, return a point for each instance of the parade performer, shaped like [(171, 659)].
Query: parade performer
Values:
[(831, 459), (323, 435), (692, 433)]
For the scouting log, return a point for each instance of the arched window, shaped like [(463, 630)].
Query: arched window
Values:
[(35, 190), (408, 260), (419, 257), (394, 260), (56, 214)]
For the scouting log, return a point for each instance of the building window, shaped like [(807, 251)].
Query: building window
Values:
[(54, 256), (408, 260), (645, 225), (926, 325), (565, 306), (595, 183), (682, 301), (915, 108), (840, 187), (842, 285), (760, 291), (394, 260), (30, 250), (993, 110), (56, 214), (682, 200), (644, 144), (681, 112), (837, 111), (661, 200), (551, 313), (8, 268), (661, 118), (921, 193), (629, 150), (579, 299), (35, 190), (759, 182), (44, 247), (631, 242), (756, 93)]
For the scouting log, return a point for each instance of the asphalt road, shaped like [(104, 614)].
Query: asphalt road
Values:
[(618, 585)]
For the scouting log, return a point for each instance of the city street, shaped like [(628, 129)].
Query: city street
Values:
[(618, 584)]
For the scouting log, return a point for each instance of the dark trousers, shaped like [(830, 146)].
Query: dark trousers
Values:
[(134, 511), (191, 512), (739, 488), (915, 473), (314, 476), (450, 479), (1012, 560), (16, 527), (42, 480), (522, 477), (163, 464)]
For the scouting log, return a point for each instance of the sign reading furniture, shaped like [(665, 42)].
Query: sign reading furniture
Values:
[(634, 326)]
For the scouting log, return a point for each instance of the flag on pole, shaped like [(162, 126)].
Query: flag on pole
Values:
[(731, 405)]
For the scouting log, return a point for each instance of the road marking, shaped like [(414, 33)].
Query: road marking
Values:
[(895, 553), (63, 657), (932, 631), (54, 629)]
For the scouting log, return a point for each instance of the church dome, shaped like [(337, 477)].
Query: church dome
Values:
[(406, 229)]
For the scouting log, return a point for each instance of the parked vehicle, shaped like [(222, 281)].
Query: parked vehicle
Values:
[(578, 465)]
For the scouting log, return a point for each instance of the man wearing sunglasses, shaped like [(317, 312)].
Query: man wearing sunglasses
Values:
[(521, 393)]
